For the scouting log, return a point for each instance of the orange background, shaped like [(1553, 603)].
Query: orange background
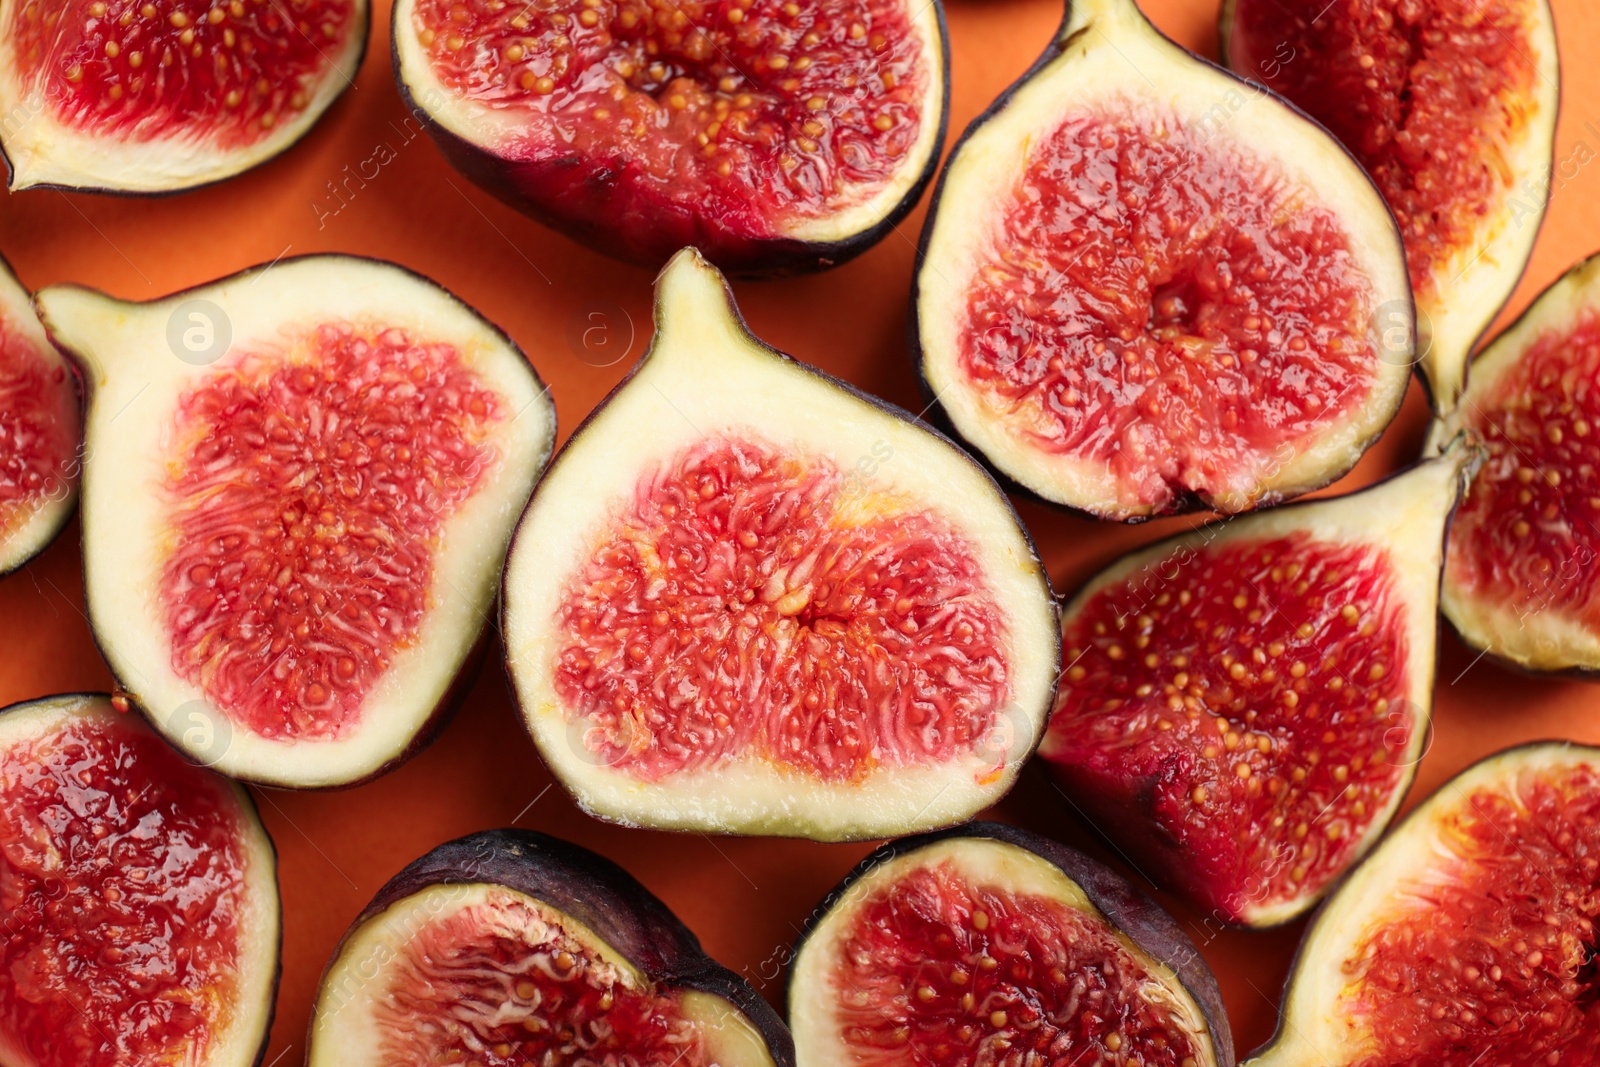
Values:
[(745, 897)]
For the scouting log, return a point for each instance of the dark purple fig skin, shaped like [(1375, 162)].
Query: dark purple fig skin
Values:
[(599, 894), (1144, 921), (583, 199), (471, 664), (1182, 503), (253, 815)]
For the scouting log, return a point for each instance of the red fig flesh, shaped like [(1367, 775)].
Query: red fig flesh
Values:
[(140, 898), (1242, 707), (1451, 107)]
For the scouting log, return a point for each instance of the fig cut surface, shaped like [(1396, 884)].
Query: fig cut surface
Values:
[(40, 424), (140, 895), (508, 948), (989, 945), (1451, 106), (1242, 708), (774, 136), (748, 599), (158, 96), (1147, 287), (1519, 577), (1468, 935), (301, 484)]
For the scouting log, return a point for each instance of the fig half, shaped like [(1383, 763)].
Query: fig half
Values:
[(157, 96), (1451, 107), (509, 948), (748, 599), (39, 428), (300, 485), (1243, 707), (986, 944), (140, 898), (1468, 936), (1146, 287), (1519, 578), (774, 136)]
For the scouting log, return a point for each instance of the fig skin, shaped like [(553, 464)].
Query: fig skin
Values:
[(1444, 385), (596, 892), (455, 692), (252, 815), (590, 210), (1322, 935), (799, 828), (1131, 823), (360, 32), (1184, 501), (1130, 911)]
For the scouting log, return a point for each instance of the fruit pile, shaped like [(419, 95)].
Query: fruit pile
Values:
[(745, 597)]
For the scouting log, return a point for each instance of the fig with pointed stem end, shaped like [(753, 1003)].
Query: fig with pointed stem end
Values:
[(40, 425), (509, 947), (989, 944), (775, 136), (1148, 287), (1451, 106), (1519, 577), (141, 898), (748, 599), (1243, 707), (300, 484), (1467, 936), (159, 96)]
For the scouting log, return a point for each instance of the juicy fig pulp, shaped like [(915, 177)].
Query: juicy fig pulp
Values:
[(300, 484), (509, 948), (1519, 578), (774, 136), (140, 898), (155, 96), (39, 429), (1451, 106), (989, 945), (747, 599), (1145, 287), (1242, 708), (1468, 936)]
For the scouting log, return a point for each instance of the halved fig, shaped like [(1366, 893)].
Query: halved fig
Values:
[(140, 897), (1146, 287), (158, 96), (1468, 936), (774, 136), (1242, 708), (1519, 577), (1451, 107), (986, 944), (299, 488), (749, 599), (39, 427), (508, 948)]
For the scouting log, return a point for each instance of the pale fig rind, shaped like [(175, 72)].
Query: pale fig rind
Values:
[(1405, 516), (1309, 1032), (244, 1042), (705, 375), (1139, 921), (133, 372), (1480, 279), (43, 152), (1537, 637), (1102, 48), (579, 885), (592, 202)]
